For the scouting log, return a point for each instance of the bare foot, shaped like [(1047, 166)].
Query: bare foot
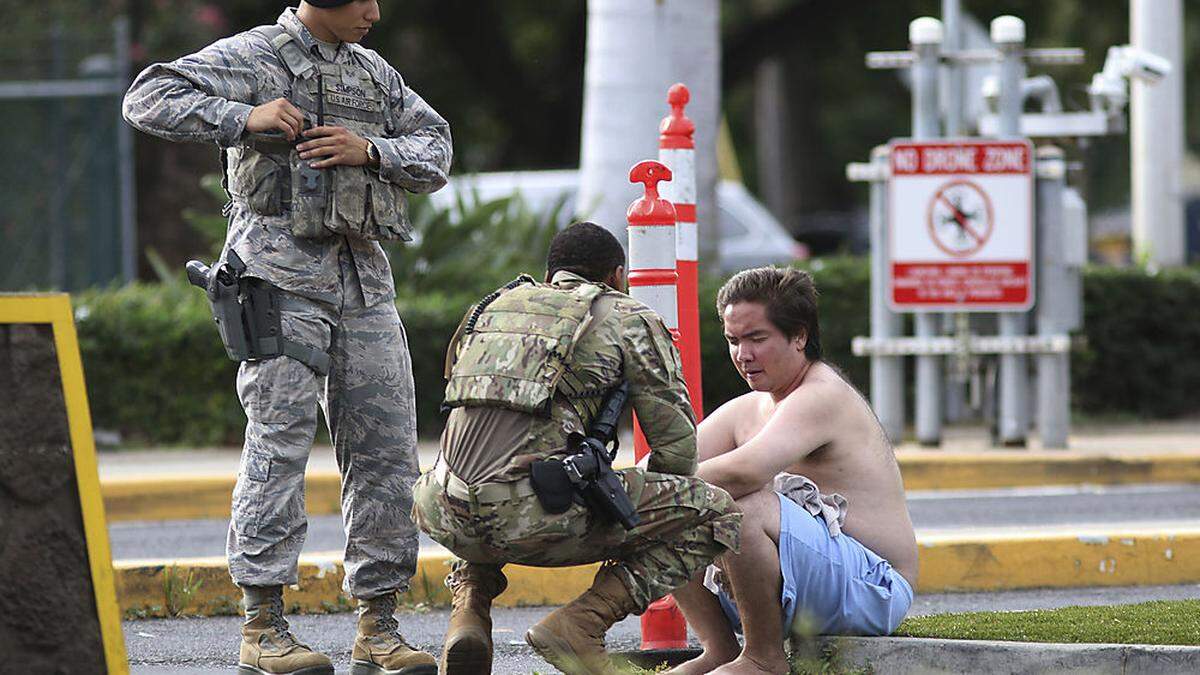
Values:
[(745, 665), (705, 663)]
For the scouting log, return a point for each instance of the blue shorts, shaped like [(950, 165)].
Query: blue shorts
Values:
[(836, 583)]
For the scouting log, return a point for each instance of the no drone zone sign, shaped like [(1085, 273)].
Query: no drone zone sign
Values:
[(960, 226)]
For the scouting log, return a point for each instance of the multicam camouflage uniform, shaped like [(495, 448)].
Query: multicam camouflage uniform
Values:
[(500, 425), (336, 287)]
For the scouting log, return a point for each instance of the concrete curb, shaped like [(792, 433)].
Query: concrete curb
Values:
[(948, 563), (931, 655), (201, 586), (187, 497), (1113, 556)]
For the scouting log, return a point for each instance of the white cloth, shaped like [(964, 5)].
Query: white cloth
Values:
[(831, 507)]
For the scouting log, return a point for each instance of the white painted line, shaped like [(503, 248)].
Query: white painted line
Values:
[(1128, 529), (1052, 491)]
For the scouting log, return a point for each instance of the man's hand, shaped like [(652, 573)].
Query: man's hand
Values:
[(277, 115), (338, 145)]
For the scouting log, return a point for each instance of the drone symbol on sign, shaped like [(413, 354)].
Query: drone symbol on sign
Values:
[(960, 218)]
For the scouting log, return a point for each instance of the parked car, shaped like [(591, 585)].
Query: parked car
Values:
[(750, 235)]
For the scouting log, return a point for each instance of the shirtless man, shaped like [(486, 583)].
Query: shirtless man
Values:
[(802, 417)]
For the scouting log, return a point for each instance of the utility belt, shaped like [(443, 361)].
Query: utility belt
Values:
[(482, 493), (581, 479), (246, 310)]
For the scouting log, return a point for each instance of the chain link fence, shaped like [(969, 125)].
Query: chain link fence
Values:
[(66, 179)]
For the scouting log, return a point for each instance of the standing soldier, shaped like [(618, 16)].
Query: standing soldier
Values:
[(320, 138), (531, 371)]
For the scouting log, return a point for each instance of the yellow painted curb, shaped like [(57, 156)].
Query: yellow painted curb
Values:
[(1093, 557), (189, 498), (935, 470), (201, 586), (949, 562), (183, 498)]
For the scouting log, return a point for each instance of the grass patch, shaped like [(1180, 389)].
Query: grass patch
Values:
[(1162, 622)]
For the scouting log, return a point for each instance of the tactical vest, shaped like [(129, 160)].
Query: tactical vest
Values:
[(513, 346), (266, 173)]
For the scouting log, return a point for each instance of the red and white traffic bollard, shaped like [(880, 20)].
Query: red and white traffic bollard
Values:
[(651, 219), (652, 277), (653, 280), (677, 149)]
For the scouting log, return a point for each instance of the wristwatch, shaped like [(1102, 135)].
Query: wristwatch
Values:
[(372, 155)]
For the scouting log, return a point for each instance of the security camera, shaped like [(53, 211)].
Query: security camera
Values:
[(1144, 65), (1109, 90)]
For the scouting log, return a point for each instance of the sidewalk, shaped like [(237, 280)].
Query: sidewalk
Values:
[(1126, 440)]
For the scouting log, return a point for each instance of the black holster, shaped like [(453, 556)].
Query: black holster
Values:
[(591, 472), (585, 477), (246, 310)]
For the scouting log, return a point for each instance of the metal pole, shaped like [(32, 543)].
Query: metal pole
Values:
[(56, 213), (953, 103), (127, 209), (887, 372), (955, 99), (1156, 137), (1054, 302), (925, 36), (1008, 34)]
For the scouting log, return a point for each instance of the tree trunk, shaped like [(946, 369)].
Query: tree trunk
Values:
[(635, 50)]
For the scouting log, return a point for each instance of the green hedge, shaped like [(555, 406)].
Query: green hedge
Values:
[(1143, 343), (157, 374), (156, 371)]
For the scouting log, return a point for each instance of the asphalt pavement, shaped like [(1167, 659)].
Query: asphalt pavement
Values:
[(200, 646), (209, 645), (932, 511)]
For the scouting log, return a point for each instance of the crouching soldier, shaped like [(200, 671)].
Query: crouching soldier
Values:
[(532, 373)]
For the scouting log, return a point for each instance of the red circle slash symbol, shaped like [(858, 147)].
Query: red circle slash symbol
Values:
[(960, 218)]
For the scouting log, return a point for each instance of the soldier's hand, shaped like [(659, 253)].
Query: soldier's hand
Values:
[(277, 115), (338, 145)]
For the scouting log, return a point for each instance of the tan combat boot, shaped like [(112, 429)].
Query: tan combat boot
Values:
[(571, 638), (268, 646), (378, 647), (468, 644)]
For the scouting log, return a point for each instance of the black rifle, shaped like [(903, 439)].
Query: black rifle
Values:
[(589, 467)]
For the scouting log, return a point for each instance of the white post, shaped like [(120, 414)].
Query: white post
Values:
[(925, 36), (1008, 34), (1157, 136), (887, 372)]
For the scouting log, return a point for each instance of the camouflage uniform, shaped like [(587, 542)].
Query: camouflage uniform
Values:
[(336, 295), (493, 517)]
